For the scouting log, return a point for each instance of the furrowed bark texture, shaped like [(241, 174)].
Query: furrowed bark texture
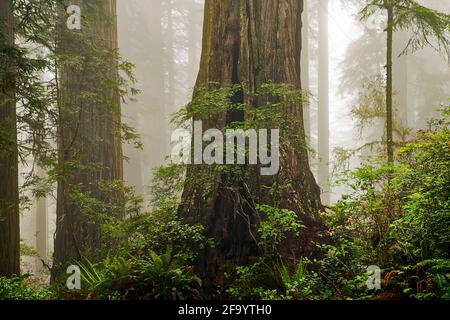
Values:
[(9, 191), (90, 149), (249, 42)]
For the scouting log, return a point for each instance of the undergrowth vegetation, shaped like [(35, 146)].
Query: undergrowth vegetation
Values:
[(396, 217)]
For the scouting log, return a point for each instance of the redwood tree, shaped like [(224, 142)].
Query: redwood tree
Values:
[(9, 194), (249, 43), (89, 133)]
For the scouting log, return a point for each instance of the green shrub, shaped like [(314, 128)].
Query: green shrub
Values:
[(165, 277), (20, 288), (397, 217), (275, 225), (254, 281), (298, 284)]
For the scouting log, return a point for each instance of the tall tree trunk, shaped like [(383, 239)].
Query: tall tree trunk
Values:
[(323, 112), (400, 83), (249, 42), (90, 149), (9, 190), (389, 83)]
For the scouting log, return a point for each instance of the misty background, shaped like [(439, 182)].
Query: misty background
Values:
[(162, 38)]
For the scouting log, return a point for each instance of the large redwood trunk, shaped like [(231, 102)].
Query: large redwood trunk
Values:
[(9, 191), (249, 42), (90, 149)]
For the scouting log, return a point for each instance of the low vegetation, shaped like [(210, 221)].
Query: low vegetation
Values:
[(396, 217)]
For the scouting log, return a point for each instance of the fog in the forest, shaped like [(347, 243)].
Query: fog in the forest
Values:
[(163, 39)]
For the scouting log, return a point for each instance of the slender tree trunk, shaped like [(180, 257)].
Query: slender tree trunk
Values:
[(389, 113), (323, 113), (9, 190), (400, 83), (249, 42), (90, 149)]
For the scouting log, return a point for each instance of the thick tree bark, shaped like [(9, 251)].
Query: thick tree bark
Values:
[(90, 148), (249, 42), (9, 190)]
